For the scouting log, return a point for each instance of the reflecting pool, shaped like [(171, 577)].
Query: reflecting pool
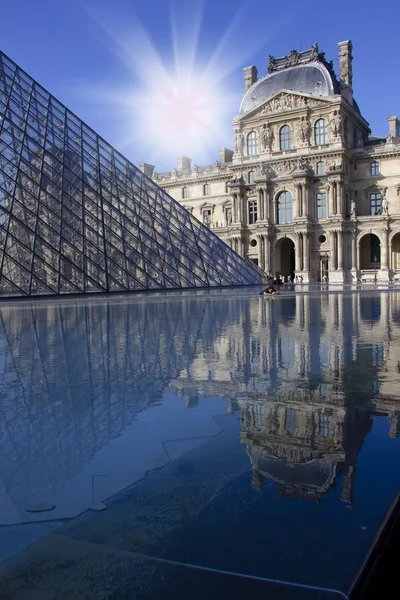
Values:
[(236, 444)]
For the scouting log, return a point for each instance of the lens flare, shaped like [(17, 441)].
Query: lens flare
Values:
[(181, 101)]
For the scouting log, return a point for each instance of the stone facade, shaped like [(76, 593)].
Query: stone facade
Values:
[(307, 190)]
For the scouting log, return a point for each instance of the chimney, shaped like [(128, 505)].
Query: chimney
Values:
[(346, 70), (250, 77), (394, 127), (147, 169), (184, 163), (225, 155)]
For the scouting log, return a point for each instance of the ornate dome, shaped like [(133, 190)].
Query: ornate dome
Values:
[(312, 78)]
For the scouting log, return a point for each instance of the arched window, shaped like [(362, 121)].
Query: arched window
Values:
[(285, 137), (321, 132), (185, 192), (374, 168), (252, 143), (285, 208), (321, 168), (251, 176), (227, 190), (206, 189)]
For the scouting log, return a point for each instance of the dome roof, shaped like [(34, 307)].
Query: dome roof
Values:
[(313, 78)]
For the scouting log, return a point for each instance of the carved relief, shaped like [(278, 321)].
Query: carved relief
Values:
[(286, 102)]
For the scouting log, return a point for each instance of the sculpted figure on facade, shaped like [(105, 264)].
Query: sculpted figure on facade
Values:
[(314, 53), (353, 210), (264, 170), (238, 142), (336, 124), (271, 64), (304, 130), (385, 203), (267, 136), (293, 58)]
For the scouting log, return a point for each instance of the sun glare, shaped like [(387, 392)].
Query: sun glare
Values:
[(181, 102)]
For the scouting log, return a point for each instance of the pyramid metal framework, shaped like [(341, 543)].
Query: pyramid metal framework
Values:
[(76, 216)]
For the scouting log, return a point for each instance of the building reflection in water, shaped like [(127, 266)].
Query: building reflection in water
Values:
[(307, 374)]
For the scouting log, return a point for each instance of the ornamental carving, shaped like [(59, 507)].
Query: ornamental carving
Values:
[(285, 102)]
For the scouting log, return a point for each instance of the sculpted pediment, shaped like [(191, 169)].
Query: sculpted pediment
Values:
[(283, 101)]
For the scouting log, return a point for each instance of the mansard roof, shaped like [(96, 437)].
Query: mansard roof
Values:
[(305, 72)]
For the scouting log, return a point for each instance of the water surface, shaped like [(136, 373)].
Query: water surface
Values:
[(221, 430)]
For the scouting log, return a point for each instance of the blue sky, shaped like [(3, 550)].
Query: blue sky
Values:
[(110, 61)]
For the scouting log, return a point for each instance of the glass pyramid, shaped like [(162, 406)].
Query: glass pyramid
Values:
[(77, 217)]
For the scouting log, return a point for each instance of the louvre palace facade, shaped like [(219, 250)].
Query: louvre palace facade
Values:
[(307, 189)]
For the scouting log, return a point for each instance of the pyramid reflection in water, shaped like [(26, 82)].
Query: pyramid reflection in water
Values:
[(77, 217)]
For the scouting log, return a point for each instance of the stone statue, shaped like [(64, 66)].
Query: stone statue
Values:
[(292, 59), (305, 129), (336, 124), (174, 172), (267, 136), (238, 141), (353, 212), (271, 64), (385, 204), (314, 52)]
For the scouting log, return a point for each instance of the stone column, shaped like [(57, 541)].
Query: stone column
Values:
[(260, 251), (333, 263), (340, 249), (339, 202), (306, 251), (353, 250), (334, 198), (240, 207), (385, 250), (240, 246), (300, 199), (272, 205), (267, 253), (306, 200), (266, 203), (297, 252), (260, 203), (328, 200)]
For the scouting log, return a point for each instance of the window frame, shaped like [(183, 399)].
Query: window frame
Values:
[(375, 168), (376, 202), (322, 208), (252, 143), (320, 170), (252, 212), (286, 137), (250, 176), (321, 132), (185, 192), (207, 211), (284, 208), (206, 189)]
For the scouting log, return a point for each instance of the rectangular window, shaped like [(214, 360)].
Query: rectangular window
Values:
[(322, 212), (185, 192), (376, 204), (325, 425), (252, 212), (374, 169), (207, 217)]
